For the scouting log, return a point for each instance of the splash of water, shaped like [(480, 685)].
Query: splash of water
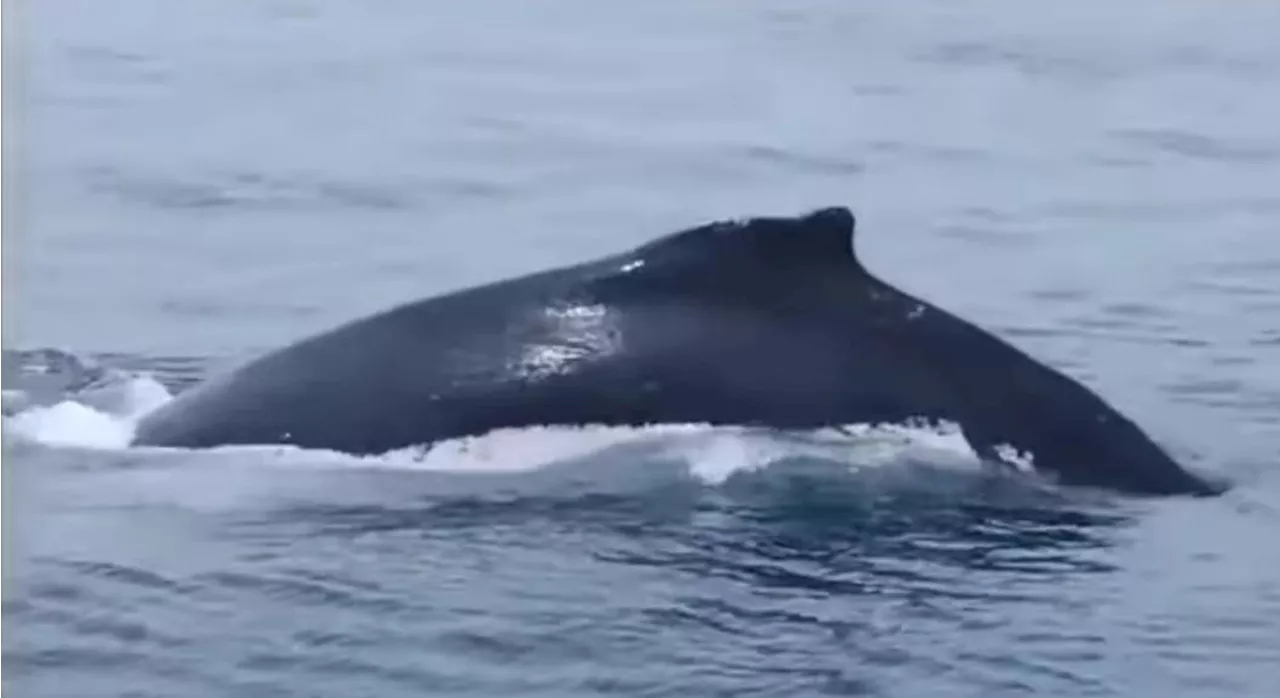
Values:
[(105, 418)]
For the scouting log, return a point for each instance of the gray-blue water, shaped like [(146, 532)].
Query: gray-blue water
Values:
[(197, 181)]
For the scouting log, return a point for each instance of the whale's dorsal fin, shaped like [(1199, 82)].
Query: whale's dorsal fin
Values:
[(820, 238), (829, 232)]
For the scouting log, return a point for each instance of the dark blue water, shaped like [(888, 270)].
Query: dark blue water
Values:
[(199, 181)]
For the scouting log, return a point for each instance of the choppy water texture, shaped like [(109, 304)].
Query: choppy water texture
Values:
[(202, 180)]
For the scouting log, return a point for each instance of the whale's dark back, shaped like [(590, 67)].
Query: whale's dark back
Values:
[(765, 321)]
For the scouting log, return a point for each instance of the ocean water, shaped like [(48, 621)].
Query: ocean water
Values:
[(196, 182)]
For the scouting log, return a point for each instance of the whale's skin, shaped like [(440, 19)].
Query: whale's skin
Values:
[(765, 321)]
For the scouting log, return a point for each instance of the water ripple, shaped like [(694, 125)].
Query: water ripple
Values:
[(250, 191), (1201, 146)]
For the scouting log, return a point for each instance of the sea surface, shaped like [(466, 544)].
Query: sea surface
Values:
[(190, 183)]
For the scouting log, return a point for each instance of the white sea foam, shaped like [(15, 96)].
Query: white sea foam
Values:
[(102, 419), (106, 419)]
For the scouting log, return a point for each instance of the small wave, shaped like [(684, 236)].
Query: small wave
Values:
[(246, 191), (56, 398), (75, 424)]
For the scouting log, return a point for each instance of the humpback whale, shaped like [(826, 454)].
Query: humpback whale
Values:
[(769, 321)]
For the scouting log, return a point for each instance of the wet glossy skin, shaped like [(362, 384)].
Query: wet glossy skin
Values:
[(766, 321)]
